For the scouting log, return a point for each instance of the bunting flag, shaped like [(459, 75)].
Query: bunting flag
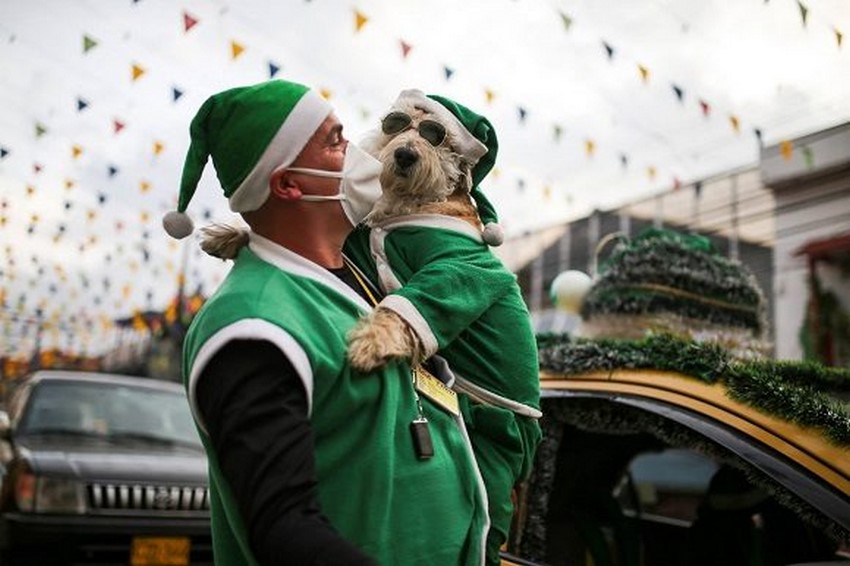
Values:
[(624, 160), (589, 147), (273, 69), (698, 189), (448, 71), (758, 134), (609, 49), (677, 184), (804, 12), (567, 21), (69, 184), (360, 20), (40, 129), (158, 146), (144, 186), (188, 22), (101, 198), (76, 151), (523, 113), (644, 73), (81, 104), (30, 190), (88, 43), (680, 94), (786, 149), (557, 132), (839, 37), (405, 48), (809, 157), (4, 152), (236, 49), (137, 71), (651, 172), (325, 93), (117, 126), (489, 95), (736, 124), (176, 93), (705, 107)]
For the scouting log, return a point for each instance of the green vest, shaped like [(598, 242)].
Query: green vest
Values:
[(374, 490)]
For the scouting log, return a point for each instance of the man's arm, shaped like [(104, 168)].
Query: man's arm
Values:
[(255, 410)]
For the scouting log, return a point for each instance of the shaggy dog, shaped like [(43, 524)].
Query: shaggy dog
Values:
[(447, 292)]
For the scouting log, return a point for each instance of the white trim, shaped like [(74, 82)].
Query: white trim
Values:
[(432, 221), (291, 262), (487, 397), (386, 277), (482, 488), (294, 133), (251, 329), (411, 315)]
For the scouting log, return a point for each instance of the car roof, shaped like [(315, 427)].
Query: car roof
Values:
[(103, 378)]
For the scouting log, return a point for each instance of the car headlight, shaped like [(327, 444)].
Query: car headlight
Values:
[(49, 495)]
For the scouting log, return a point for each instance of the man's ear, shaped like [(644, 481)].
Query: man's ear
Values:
[(283, 187)]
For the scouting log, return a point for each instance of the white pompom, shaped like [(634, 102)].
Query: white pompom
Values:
[(569, 289), (493, 234), (178, 225)]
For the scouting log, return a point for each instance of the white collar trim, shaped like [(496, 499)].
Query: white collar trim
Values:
[(431, 221)]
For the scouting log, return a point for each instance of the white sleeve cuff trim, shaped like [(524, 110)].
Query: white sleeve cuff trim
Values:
[(405, 309), (251, 329)]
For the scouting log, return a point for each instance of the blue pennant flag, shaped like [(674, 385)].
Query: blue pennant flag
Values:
[(273, 69), (3, 152), (449, 72), (113, 170), (176, 93), (81, 104)]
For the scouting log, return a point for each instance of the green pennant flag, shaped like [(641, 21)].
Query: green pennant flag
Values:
[(88, 43), (40, 129), (804, 12), (567, 21)]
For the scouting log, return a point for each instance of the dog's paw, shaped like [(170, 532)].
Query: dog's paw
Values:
[(378, 338)]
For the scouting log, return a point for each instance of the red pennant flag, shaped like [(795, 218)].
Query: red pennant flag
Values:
[(706, 108), (37, 167), (188, 21), (117, 126), (405, 48)]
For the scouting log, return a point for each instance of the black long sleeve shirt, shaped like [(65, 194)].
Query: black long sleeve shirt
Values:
[(254, 407)]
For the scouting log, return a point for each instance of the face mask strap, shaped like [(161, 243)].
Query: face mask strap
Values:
[(316, 172)]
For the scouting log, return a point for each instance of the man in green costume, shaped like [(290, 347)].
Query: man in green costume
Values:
[(310, 461)]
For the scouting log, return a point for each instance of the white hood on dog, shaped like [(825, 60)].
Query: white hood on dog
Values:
[(463, 141)]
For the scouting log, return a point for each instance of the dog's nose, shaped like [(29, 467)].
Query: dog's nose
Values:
[(405, 157)]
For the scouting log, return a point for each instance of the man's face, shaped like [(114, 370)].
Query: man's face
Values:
[(326, 151)]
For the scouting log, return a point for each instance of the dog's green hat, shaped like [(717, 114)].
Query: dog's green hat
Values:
[(474, 137), (249, 132), (483, 131)]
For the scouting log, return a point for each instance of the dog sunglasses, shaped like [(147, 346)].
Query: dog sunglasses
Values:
[(397, 122)]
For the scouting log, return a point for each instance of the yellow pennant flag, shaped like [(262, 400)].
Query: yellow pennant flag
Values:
[(839, 37), (736, 124), (91, 214), (144, 186), (30, 190), (236, 49), (489, 95), (138, 71), (644, 73), (650, 172), (325, 93), (69, 184), (76, 151), (144, 217), (360, 20), (589, 147), (786, 149), (158, 146)]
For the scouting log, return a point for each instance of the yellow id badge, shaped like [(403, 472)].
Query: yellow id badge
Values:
[(435, 390)]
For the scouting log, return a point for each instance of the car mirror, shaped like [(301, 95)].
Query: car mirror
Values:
[(5, 426)]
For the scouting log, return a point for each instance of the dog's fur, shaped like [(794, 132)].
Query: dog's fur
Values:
[(417, 178)]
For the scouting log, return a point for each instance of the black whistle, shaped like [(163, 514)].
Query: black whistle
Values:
[(422, 438)]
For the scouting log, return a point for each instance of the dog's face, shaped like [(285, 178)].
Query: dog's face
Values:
[(417, 164)]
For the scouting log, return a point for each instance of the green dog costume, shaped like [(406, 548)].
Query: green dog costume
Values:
[(465, 305)]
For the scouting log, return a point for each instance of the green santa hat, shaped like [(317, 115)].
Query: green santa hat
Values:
[(249, 132), (474, 137)]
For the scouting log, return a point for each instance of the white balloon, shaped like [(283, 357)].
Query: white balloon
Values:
[(569, 289)]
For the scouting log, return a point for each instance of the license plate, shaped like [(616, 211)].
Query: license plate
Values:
[(159, 551)]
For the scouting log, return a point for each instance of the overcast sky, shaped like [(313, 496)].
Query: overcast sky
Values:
[(579, 126)]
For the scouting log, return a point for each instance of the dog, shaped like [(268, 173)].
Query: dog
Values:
[(447, 292)]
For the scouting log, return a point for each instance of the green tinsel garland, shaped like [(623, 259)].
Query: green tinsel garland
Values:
[(685, 263), (797, 392)]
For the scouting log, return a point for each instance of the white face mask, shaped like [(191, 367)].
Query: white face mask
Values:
[(359, 185)]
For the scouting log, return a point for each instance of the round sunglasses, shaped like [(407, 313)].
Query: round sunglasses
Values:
[(397, 122)]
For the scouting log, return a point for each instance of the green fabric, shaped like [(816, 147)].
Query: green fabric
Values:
[(474, 308), (483, 130), (234, 127), (370, 482)]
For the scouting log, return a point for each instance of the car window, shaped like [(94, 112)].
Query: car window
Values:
[(108, 410), (669, 484)]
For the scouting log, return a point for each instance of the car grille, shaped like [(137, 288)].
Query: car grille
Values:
[(138, 498)]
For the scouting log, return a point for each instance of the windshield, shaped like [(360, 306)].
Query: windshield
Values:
[(109, 411)]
